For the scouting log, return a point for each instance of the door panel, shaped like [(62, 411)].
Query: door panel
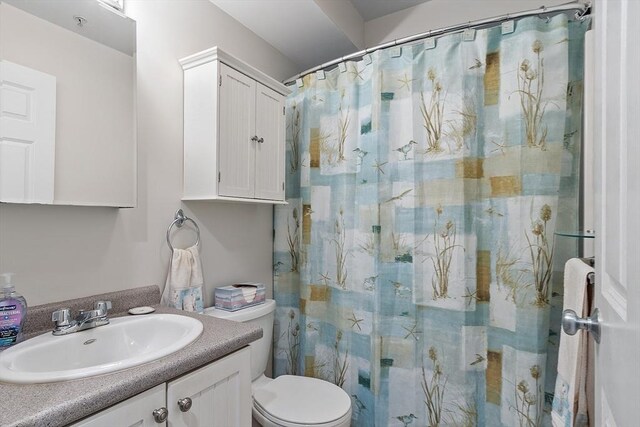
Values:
[(237, 105), (220, 394), (270, 154), (136, 411), (617, 189), (27, 134)]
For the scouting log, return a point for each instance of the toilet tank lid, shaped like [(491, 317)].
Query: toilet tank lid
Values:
[(244, 314)]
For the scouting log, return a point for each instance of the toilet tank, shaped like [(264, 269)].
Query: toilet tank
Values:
[(260, 315)]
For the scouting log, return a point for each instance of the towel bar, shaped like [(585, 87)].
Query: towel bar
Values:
[(179, 219)]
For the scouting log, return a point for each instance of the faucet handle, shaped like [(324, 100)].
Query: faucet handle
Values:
[(61, 317), (103, 306)]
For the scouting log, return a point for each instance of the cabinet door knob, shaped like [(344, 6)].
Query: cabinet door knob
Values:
[(185, 404), (160, 415), (260, 140), (254, 138)]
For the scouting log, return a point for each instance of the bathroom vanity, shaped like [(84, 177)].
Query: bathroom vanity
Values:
[(205, 383), (218, 394)]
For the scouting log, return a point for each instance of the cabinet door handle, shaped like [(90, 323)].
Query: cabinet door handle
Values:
[(160, 415), (185, 404), (260, 140), (254, 138)]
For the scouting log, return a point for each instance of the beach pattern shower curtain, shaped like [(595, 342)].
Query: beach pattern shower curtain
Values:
[(415, 263)]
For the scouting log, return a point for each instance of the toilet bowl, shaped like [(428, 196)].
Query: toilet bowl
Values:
[(288, 400)]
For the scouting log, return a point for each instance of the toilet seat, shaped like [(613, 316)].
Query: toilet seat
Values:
[(294, 401)]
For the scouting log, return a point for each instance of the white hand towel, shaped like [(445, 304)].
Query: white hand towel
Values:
[(183, 288), (574, 357)]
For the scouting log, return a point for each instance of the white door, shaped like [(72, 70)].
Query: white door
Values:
[(270, 153), (27, 134), (218, 395), (236, 144), (134, 412), (617, 158)]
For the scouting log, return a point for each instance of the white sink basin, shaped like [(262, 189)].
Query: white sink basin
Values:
[(125, 342)]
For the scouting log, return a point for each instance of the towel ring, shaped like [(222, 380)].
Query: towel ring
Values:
[(179, 219)]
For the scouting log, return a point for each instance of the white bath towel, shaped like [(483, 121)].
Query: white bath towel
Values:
[(183, 288), (571, 391)]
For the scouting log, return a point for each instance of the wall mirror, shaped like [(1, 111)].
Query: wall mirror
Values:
[(67, 103)]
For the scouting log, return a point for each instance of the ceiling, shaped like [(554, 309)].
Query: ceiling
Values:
[(311, 32), (372, 9)]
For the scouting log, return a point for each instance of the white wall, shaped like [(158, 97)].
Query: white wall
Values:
[(442, 13), (61, 252)]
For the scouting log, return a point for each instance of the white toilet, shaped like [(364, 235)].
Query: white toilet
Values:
[(287, 401)]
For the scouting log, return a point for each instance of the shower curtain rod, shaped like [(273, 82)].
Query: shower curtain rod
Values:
[(581, 10)]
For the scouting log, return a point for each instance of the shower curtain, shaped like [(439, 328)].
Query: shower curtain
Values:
[(416, 264)]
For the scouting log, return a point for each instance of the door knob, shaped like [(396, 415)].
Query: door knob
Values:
[(160, 415), (185, 404), (571, 323)]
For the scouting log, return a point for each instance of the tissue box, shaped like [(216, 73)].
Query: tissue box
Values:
[(239, 296)]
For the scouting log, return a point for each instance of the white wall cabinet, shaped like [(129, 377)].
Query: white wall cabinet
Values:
[(234, 131), (216, 395)]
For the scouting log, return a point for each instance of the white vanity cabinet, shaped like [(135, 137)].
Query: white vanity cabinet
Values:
[(234, 131), (136, 411), (216, 395)]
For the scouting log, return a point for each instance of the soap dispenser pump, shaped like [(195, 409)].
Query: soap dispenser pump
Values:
[(13, 311)]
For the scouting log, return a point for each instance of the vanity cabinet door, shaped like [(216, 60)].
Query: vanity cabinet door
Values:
[(217, 395), (136, 411)]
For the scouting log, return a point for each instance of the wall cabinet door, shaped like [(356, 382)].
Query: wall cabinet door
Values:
[(236, 144), (251, 138), (136, 411), (220, 394), (270, 153)]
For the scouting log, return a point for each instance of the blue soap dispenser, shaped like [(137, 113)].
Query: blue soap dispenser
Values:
[(13, 311)]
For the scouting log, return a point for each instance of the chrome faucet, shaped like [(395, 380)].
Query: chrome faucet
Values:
[(84, 320)]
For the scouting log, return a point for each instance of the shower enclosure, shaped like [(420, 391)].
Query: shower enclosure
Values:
[(416, 264)]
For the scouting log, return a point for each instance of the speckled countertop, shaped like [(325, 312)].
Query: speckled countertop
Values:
[(58, 404)]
